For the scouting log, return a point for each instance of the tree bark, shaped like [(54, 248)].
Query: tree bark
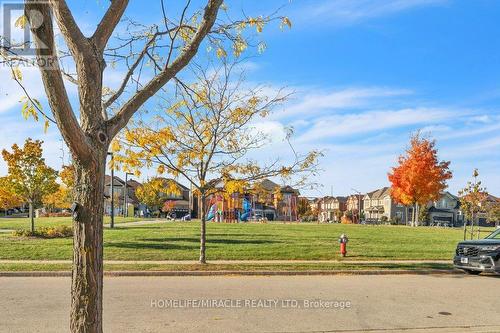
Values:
[(413, 215), (203, 233), (32, 218), (417, 211), (87, 277)]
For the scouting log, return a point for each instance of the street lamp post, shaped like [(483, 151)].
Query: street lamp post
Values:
[(359, 203), (112, 224), (125, 194)]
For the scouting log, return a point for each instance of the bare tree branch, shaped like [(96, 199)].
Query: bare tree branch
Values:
[(130, 72), (108, 23), (119, 121)]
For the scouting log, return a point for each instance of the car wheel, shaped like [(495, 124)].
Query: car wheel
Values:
[(472, 272)]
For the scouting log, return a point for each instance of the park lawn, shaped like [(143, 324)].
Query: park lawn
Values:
[(25, 223), (12, 267), (180, 241)]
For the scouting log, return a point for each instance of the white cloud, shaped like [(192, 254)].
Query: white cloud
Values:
[(481, 119), (371, 121), (313, 101), (433, 129), (464, 131), (273, 130), (489, 146)]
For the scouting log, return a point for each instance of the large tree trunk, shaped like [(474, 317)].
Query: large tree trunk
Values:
[(203, 233), (417, 212), (87, 278), (412, 216)]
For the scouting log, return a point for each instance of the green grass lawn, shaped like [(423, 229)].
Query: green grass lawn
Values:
[(229, 267), (25, 223), (179, 241)]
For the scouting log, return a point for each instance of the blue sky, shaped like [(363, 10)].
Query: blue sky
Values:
[(366, 73)]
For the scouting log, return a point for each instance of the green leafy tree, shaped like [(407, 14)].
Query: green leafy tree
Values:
[(30, 177)]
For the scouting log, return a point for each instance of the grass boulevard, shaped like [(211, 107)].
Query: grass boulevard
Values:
[(164, 241)]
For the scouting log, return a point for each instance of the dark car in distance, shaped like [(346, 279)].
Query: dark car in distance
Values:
[(477, 256)]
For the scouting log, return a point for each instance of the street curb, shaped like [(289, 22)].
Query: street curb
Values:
[(237, 273)]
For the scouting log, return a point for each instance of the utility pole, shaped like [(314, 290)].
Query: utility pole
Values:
[(125, 194), (359, 203), (112, 224), (190, 199)]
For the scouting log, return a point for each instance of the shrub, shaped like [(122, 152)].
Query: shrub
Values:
[(46, 232), (58, 214), (384, 219), (22, 233)]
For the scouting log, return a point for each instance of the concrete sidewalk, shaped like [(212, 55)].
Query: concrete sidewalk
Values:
[(233, 262)]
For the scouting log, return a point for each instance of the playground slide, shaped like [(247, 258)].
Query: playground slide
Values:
[(211, 213), (247, 210)]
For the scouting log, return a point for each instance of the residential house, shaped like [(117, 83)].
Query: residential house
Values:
[(483, 216), (271, 205), (354, 205), (379, 206), (286, 204), (332, 208), (180, 198), (445, 211), (325, 213), (119, 196), (314, 205)]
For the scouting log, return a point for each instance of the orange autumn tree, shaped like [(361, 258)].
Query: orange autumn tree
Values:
[(419, 176), (168, 206)]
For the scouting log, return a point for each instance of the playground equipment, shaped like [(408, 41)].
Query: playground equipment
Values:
[(211, 212), (216, 205), (231, 209), (247, 210)]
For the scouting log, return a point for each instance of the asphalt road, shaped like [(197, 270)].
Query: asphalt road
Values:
[(394, 303)]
